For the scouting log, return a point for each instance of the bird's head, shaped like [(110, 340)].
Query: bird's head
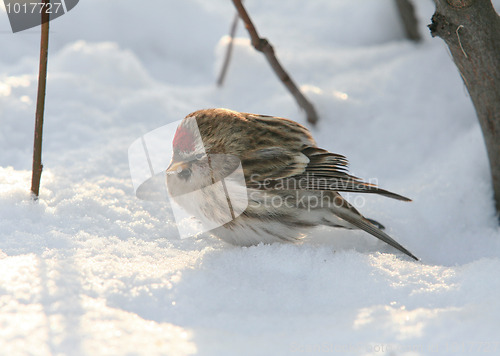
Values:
[(189, 165), (199, 156)]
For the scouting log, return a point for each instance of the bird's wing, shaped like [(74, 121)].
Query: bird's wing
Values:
[(272, 164), (311, 168)]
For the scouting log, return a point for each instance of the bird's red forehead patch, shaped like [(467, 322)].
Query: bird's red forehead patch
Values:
[(183, 140)]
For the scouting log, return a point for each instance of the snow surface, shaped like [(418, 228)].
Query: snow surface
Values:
[(92, 270)]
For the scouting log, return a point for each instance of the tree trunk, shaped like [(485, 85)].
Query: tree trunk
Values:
[(471, 29)]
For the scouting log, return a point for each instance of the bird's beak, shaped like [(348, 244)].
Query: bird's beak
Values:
[(177, 166)]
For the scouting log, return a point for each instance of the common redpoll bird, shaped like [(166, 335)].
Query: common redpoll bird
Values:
[(284, 173)]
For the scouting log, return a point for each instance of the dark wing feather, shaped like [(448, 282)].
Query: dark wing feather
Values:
[(311, 168), (273, 164)]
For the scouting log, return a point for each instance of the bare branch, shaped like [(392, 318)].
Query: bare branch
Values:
[(410, 22), (40, 102), (229, 50), (263, 45)]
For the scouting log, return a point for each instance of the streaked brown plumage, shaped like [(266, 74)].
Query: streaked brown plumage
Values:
[(280, 160)]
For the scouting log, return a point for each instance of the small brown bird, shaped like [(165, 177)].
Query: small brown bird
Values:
[(291, 184)]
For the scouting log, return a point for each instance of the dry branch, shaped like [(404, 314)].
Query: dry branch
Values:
[(471, 29), (40, 103), (407, 13), (263, 45), (229, 51)]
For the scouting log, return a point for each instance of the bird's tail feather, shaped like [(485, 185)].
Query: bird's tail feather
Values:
[(360, 222)]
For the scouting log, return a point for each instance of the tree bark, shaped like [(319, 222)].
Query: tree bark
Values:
[(471, 29), (40, 102)]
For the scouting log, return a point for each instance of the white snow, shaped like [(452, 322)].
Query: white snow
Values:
[(91, 270)]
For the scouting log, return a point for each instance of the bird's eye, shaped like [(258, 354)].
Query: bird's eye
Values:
[(185, 173), (199, 156)]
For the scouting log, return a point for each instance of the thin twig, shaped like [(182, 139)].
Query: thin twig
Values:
[(263, 45), (40, 102), (460, 42), (229, 50)]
